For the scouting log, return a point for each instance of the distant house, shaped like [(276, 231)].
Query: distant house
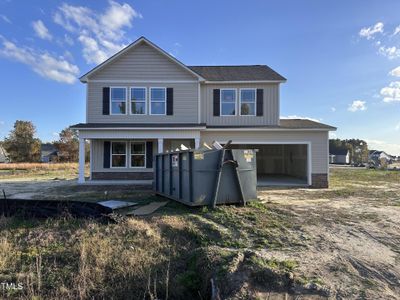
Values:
[(49, 153), (339, 156), (378, 156), (3, 156)]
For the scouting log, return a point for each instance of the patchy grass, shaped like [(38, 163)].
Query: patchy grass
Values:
[(40, 171)]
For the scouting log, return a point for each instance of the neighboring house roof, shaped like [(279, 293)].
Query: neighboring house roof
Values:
[(339, 151), (140, 40), (48, 149), (238, 73), (284, 124), (3, 155)]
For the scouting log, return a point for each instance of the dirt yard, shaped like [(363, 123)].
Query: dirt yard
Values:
[(336, 243)]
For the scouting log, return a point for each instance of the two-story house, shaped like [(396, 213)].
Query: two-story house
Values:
[(142, 101)]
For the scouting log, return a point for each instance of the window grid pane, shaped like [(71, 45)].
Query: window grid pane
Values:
[(138, 148), (158, 108), (118, 107), (118, 148), (138, 94), (228, 96), (248, 96), (228, 109), (138, 160), (247, 109), (138, 108), (118, 94)]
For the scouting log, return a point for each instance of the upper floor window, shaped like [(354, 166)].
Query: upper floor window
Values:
[(118, 100), (228, 102), (158, 101), (138, 101), (118, 154), (248, 102), (138, 154)]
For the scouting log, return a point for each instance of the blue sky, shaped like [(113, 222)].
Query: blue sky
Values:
[(340, 57)]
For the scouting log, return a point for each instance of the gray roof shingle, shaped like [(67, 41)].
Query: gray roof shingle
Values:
[(237, 73), (284, 124)]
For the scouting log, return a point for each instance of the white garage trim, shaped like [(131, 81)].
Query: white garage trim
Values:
[(308, 143)]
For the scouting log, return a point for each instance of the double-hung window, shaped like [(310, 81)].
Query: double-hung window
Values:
[(138, 154), (138, 101), (118, 100), (118, 154), (248, 102), (158, 101), (228, 102)]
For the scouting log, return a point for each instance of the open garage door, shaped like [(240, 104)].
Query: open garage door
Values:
[(280, 164)]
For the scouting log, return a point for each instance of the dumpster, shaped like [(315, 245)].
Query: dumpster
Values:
[(207, 177)]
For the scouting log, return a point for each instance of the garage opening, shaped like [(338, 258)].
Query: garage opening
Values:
[(280, 165)]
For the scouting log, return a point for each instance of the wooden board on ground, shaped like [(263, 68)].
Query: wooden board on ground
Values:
[(147, 209)]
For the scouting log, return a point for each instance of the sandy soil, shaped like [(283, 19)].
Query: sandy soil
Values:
[(353, 244)]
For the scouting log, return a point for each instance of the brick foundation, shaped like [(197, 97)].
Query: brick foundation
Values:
[(122, 175), (319, 181)]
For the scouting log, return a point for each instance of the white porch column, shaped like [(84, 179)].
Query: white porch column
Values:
[(160, 145), (81, 176), (197, 143)]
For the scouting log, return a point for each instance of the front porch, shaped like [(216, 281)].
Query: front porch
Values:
[(128, 156)]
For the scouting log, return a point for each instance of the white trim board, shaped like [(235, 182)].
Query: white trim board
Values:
[(243, 81), (133, 81)]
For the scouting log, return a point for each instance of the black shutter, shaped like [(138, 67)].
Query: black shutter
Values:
[(170, 101), (260, 102), (216, 97), (106, 158), (149, 154), (106, 100)]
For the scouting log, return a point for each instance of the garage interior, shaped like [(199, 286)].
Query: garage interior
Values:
[(280, 164)]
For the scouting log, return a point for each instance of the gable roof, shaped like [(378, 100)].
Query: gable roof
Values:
[(84, 78), (238, 73), (338, 151), (48, 149), (203, 73)]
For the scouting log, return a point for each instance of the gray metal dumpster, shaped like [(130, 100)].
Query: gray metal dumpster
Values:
[(207, 177)]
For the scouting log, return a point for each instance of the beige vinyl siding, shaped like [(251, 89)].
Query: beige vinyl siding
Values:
[(185, 109), (318, 140), (271, 105), (98, 158), (142, 63)]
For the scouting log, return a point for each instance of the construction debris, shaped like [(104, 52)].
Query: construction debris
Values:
[(147, 209)]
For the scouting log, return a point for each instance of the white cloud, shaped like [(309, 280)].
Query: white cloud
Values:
[(390, 148), (389, 52), (396, 30), (391, 93), (357, 105), (333, 109), (369, 32), (41, 30), (397, 127), (68, 40), (5, 19), (395, 72), (299, 117), (100, 34), (43, 63), (332, 135)]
